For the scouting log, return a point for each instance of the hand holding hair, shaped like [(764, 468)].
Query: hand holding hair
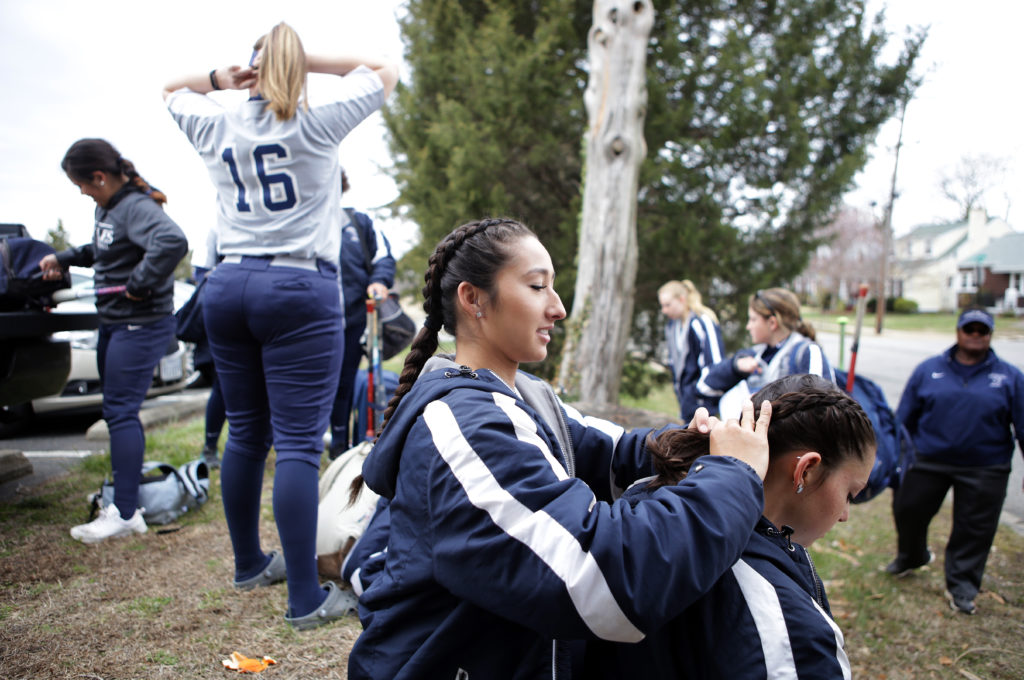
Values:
[(745, 440)]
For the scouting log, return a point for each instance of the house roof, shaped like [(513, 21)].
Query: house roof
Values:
[(929, 230), (1001, 255)]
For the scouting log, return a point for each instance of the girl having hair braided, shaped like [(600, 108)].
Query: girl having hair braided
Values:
[(136, 245), (505, 538), (768, 615)]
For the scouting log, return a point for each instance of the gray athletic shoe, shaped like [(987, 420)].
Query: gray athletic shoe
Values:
[(961, 604), (273, 573), (339, 603)]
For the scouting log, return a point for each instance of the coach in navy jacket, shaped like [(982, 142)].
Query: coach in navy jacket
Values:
[(503, 551), (959, 407)]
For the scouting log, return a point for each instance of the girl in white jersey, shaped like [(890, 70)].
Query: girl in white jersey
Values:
[(272, 307)]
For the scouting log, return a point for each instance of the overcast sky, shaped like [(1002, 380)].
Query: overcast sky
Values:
[(73, 69)]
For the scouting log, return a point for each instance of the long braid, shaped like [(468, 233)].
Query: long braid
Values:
[(127, 168)]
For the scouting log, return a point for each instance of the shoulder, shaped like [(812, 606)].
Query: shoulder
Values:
[(185, 102)]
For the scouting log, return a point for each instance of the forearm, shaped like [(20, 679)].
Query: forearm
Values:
[(223, 78), (341, 65)]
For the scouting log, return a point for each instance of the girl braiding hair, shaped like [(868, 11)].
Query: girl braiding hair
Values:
[(808, 414), (473, 252), (87, 156)]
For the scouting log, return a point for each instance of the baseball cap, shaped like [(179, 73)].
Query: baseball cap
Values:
[(975, 316)]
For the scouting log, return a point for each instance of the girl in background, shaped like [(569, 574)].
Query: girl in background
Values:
[(135, 244), (272, 306), (783, 345), (694, 341)]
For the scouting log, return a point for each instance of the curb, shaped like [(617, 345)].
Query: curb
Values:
[(165, 409)]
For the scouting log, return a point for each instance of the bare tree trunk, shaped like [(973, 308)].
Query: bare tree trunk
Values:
[(616, 102)]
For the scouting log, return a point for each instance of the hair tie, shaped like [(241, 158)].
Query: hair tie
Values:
[(432, 323)]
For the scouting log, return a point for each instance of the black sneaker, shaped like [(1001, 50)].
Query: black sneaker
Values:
[(961, 604), (899, 571)]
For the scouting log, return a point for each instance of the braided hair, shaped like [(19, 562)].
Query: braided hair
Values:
[(809, 413), (473, 252), (87, 156)]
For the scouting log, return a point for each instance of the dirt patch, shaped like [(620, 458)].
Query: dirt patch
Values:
[(159, 605)]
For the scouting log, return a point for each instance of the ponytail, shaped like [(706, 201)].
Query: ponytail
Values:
[(282, 71)]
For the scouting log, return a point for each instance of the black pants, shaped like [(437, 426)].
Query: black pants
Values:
[(978, 495)]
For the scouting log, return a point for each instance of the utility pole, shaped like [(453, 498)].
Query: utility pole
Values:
[(887, 229)]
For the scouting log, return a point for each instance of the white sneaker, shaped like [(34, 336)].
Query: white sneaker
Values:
[(109, 525)]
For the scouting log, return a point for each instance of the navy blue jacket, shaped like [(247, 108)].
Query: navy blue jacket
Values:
[(503, 544), (767, 617), (355, 277), (796, 354), (693, 345), (961, 415)]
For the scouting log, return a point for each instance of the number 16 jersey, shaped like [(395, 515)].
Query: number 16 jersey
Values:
[(278, 182)]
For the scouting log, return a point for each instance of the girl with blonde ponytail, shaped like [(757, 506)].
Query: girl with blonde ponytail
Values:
[(272, 307), (694, 341)]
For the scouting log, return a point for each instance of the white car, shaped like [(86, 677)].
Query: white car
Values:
[(82, 390)]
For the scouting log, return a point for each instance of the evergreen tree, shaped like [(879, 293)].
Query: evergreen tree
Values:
[(760, 112), (58, 237)]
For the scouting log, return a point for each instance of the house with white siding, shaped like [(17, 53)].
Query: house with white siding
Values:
[(927, 261)]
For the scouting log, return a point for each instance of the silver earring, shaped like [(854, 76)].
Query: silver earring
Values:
[(479, 315), (102, 182), (800, 487)]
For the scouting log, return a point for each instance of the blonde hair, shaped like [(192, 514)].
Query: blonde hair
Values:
[(784, 306), (687, 291), (282, 71)]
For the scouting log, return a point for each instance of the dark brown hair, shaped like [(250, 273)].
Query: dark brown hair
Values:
[(474, 252), (808, 414), (87, 156)]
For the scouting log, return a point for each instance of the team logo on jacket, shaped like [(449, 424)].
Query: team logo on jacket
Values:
[(104, 234), (996, 379), (938, 374)]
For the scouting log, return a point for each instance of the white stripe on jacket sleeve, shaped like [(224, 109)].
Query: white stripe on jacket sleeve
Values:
[(763, 602), (550, 541), (841, 658)]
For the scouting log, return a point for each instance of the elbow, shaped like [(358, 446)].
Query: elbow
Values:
[(389, 76)]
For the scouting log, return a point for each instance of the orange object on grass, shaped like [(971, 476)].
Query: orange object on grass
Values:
[(244, 664)]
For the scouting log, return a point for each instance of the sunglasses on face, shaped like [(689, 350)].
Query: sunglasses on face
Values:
[(976, 329)]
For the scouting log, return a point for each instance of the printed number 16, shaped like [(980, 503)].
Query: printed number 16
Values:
[(267, 180)]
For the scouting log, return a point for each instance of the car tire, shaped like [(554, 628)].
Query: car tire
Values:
[(14, 419)]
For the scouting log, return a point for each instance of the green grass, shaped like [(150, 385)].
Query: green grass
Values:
[(933, 322)]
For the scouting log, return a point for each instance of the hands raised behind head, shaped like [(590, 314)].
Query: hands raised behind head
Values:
[(744, 439), (236, 77)]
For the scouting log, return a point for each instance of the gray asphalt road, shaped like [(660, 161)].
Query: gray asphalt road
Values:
[(55, 442), (889, 359)]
